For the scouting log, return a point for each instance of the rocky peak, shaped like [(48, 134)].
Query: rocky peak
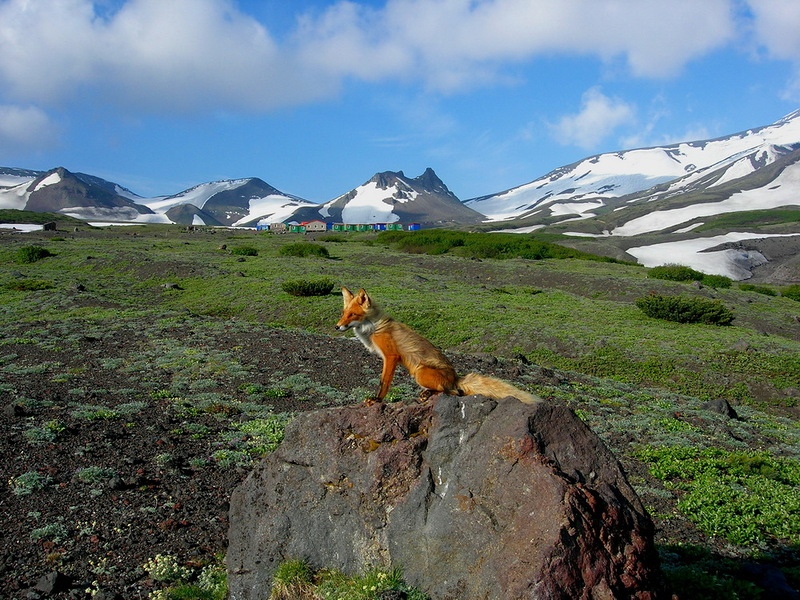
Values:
[(387, 179), (430, 182)]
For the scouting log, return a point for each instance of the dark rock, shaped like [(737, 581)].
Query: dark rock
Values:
[(771, 579), (722, 407), (392, 595), (472, 498), (14, 409), (52, 583)]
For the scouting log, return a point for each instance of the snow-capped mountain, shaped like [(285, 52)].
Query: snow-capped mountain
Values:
[(238, 202), (76, 194), (391, 197), (676, 204), (231, 202), (583, 188)]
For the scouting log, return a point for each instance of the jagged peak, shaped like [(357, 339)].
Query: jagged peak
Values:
[(428, 181)]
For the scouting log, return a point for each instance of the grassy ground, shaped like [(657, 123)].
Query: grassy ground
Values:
[(723, 491)]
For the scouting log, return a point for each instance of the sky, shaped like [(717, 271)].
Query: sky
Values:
[(316, 96)]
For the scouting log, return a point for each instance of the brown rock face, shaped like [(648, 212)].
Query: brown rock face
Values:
[(472, 498)]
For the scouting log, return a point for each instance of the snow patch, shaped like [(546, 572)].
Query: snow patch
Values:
[(781, 192), (732, 263), (369, 206), (270, 209), (51, 179), (21, 227), (196, 196), (7, 181)]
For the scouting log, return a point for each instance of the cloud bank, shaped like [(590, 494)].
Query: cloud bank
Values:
[(195, 56)]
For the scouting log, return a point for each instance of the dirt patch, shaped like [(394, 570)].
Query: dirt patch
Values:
[(127, 461)]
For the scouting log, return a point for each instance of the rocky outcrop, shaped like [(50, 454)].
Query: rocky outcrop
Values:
[(472, 498)]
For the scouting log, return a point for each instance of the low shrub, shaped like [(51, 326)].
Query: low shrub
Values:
[(31, 254), (28, 285), (674, 272), (306, 287), (683, 309), (792, 292), (481, 245), (165, 567), (304, 249), (716, 281), (759, 289), (94, 474), (29, 482), (244, 251), (184, 583)]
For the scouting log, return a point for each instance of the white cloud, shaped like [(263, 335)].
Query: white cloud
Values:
[(205, 54), (598, 117), (776, 24), (181, 55), (453, 44), (23, 128)]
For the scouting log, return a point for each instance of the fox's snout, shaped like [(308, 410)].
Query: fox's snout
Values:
[(349, 319), (346, 322)]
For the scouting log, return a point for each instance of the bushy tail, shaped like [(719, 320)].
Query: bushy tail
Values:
[(472, 383)]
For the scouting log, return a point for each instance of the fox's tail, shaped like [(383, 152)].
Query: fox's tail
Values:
[(472, 383)]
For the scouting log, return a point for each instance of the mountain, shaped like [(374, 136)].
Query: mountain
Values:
[(239, 202), (231, 202), (76, 194), (716, 205), (388, 197), (391, 197), (584, 187)]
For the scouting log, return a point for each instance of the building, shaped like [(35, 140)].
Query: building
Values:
[(314, 226)]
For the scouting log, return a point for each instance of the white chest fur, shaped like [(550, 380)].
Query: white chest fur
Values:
[(364, 331)]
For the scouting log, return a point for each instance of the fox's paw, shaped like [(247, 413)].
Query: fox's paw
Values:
[(371, 401), (425, 395)]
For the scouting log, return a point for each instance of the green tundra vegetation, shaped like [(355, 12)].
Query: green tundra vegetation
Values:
[(643, 384)]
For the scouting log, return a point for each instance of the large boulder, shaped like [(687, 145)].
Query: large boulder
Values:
[(474, 499)]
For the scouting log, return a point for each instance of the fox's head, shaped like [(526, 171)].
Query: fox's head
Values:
[(357, 309)]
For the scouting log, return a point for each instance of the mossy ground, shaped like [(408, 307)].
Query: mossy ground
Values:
[(163, 365)]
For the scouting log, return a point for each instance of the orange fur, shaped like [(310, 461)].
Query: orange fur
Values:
[(397, 343)]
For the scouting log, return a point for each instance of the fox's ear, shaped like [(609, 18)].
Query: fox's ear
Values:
[(347, 296), (362, 298)]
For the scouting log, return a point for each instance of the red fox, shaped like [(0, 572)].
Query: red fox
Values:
[(397, 343)]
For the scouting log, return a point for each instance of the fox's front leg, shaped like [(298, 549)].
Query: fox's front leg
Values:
[(390, 362)]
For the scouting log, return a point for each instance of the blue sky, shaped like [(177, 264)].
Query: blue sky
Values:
[(315, 96)]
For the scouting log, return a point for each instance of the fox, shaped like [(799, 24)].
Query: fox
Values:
[(397, 343)]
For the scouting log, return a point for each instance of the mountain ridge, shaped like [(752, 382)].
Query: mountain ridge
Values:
[(614, 203)]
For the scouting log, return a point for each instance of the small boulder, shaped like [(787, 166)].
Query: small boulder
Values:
[(722, 407)]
